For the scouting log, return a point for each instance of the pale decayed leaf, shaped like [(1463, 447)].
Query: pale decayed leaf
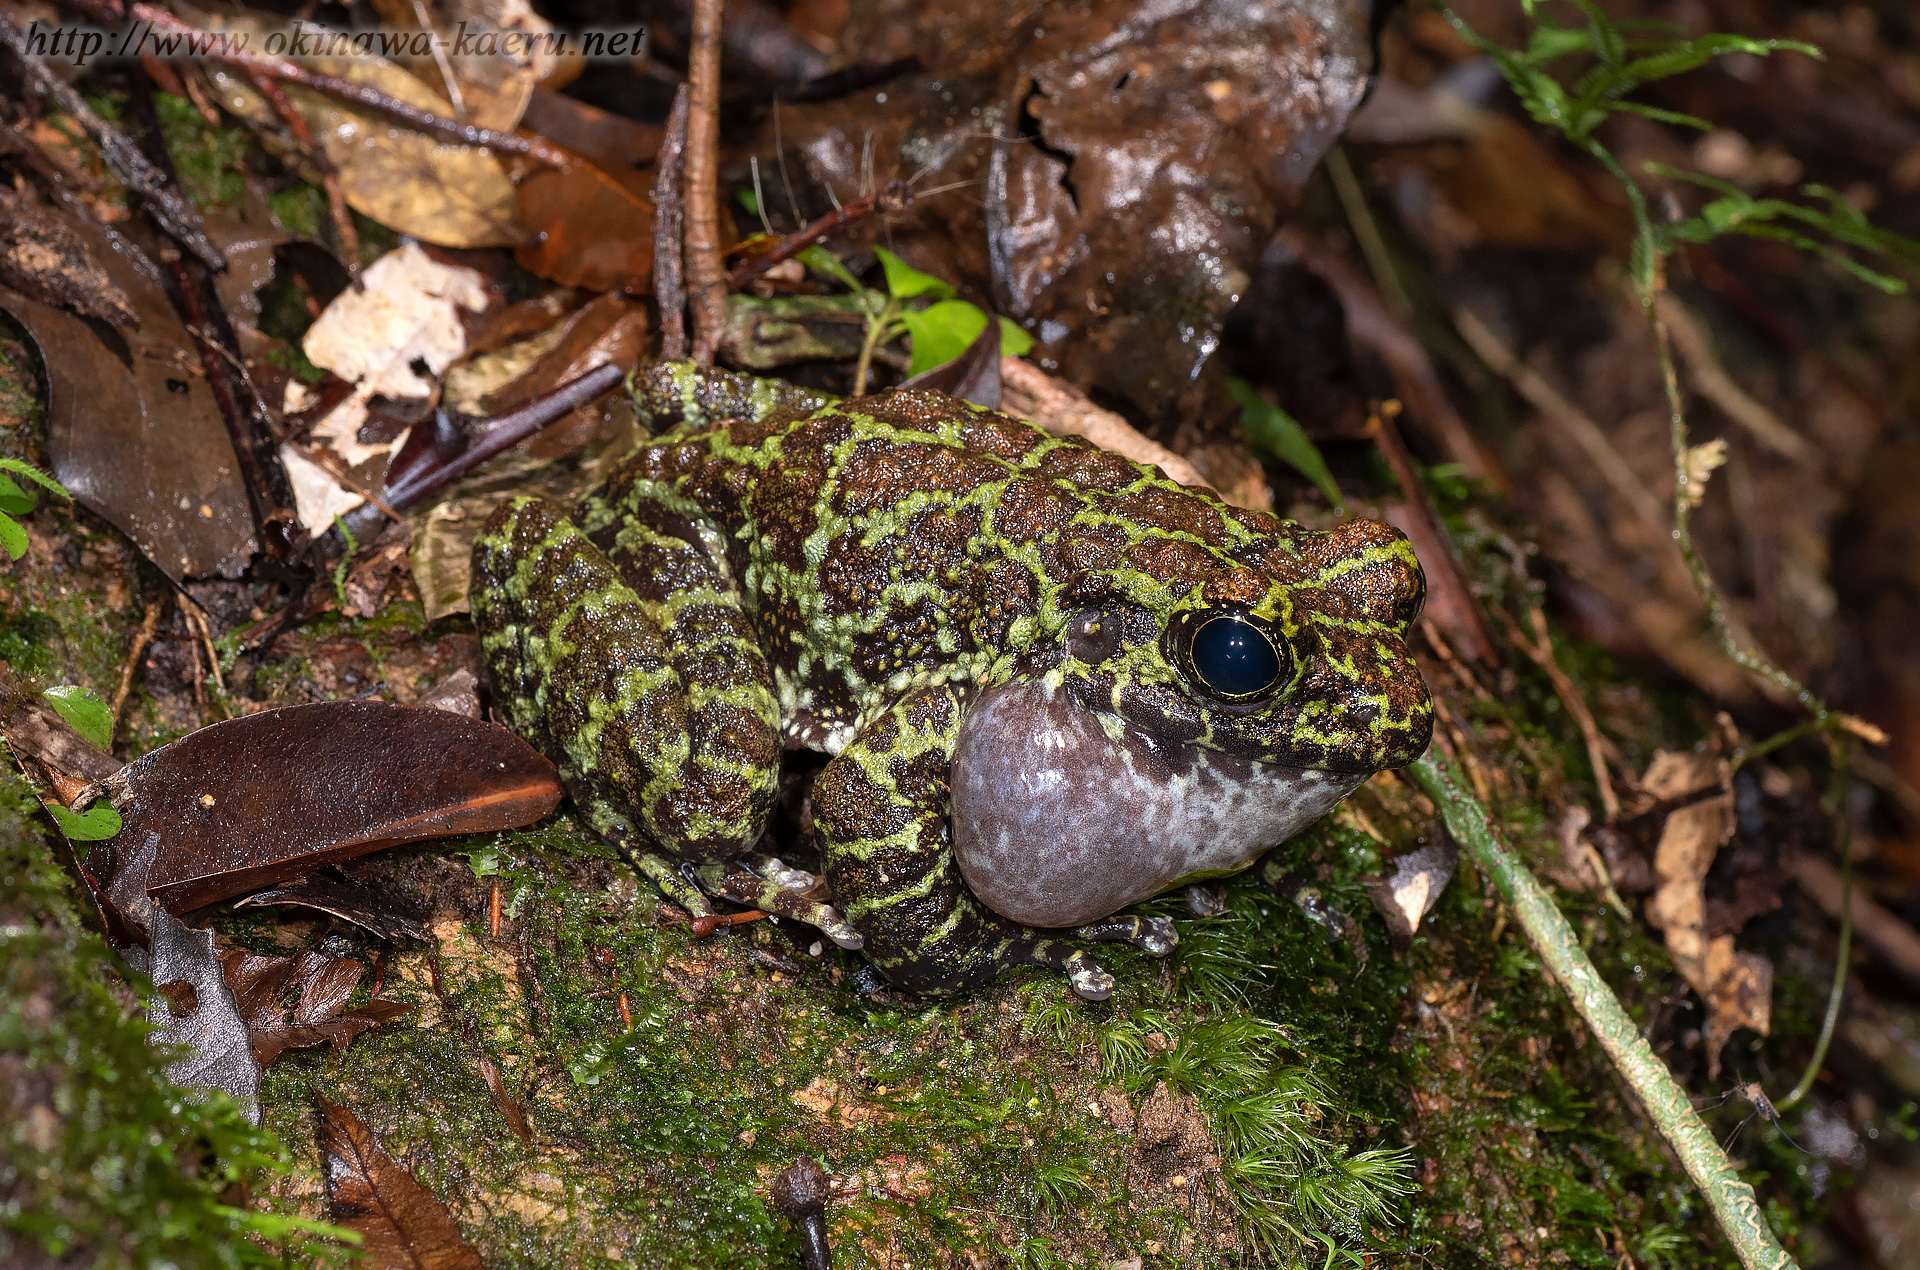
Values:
[(405, 313), (1737, 987)]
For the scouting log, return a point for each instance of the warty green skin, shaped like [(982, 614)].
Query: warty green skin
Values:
[(783, 571)]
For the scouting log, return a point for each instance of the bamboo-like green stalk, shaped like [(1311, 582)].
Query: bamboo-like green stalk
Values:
[(1732, 1199)]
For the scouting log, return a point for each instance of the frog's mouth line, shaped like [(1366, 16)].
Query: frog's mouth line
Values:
[(1062, 815)]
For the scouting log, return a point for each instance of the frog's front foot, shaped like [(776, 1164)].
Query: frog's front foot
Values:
[(1090, 983)]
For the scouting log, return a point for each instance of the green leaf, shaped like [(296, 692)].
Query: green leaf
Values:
[(97, 824), (1272, 429), (1014, 342), (748, 199), (35, 475), (87, 714), (819, 258), (13, 498), (904, 281), (941, 332), (12, 536)]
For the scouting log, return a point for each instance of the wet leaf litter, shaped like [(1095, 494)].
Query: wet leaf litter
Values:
[(576, 1031)]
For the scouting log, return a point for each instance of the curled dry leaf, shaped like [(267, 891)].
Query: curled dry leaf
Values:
[(1412, 886), (402, 1224), (261, 984), (258, 800), (588, 228), (369, 908), (451, 195), (133, 430), (1737, 987)]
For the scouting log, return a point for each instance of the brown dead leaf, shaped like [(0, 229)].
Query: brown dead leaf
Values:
[(493, 87), (260, 799), (451, 195), (612, 329), (133, 430), (402, 1224), (609, 141), (261, 985), (1736, 987), (588, 228)]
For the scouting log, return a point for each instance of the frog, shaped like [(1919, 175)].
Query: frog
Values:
[(1050, 681)]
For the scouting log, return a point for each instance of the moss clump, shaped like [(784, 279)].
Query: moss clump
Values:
[(102, 1160)]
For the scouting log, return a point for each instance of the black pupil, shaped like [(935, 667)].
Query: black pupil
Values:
[(1233, 658)]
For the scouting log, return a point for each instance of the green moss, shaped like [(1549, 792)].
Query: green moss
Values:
[(206, 159), (102, 1160)]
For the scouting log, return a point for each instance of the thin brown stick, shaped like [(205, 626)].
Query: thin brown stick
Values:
[(141, 638), (670, 230), (197, 619), (329, 174), (1540, 650), (706, 279), (1468, 623), (897, 196), (1882, 931)]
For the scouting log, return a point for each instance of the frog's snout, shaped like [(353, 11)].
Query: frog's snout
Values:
[(1386, 583)]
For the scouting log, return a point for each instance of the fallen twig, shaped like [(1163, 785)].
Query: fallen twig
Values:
[(706, 279), (1559, 946), (669, 232), (123, 158), (1372, 326), (349, 237), (1882, 931), (141, 638), (1540, 650), (895, 196), (1450, 599), (1063, 410), (346, 90), (1564, 415)]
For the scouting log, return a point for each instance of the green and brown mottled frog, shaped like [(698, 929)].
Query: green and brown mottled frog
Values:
[(1053, 681)]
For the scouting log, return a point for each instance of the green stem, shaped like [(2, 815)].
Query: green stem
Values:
[(879, 330), (1843, 839), (1559, 946)]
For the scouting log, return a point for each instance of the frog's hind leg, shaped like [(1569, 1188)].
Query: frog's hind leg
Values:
[(656, 707)]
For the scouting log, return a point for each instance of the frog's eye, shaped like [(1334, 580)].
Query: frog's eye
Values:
[(1229, 655)]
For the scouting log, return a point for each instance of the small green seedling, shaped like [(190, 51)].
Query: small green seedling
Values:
[(918, 305), (1273, 431), (88, 715), (15, 501)]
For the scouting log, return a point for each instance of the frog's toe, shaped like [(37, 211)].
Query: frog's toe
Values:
[(1158, 936), (1154, 935), (666, 874), (780, 873), (1089, 982)]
